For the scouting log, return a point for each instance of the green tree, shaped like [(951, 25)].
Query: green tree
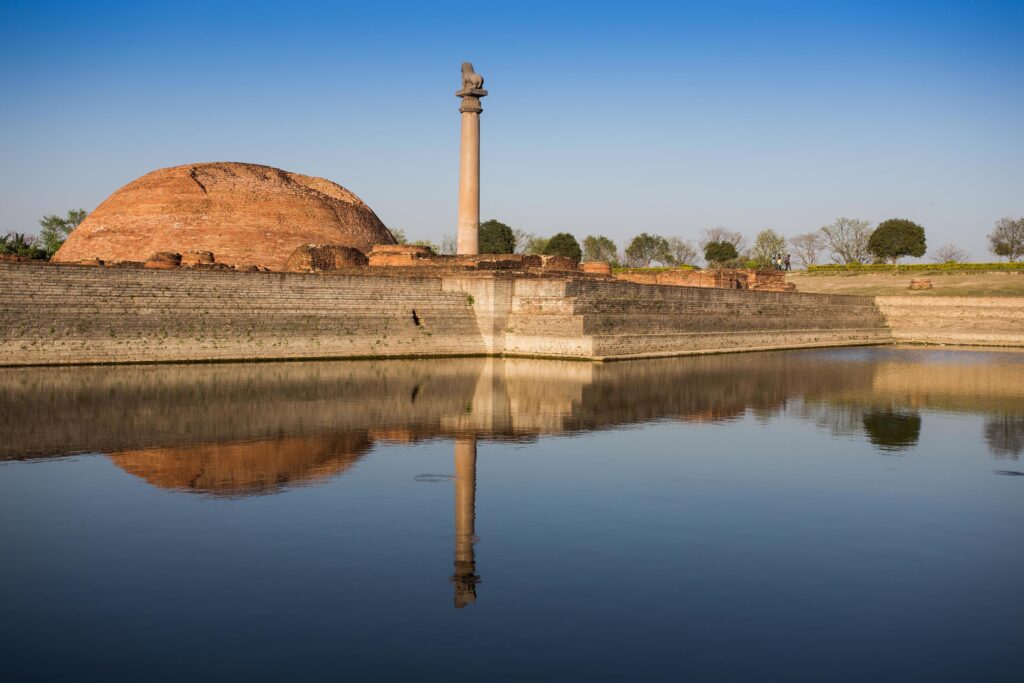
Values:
[(646, 248), (496, 238), (767, 244), (53, 230), (895, 238), (720, 252), (399, 235), (1007, 239), (563, 244), (600, 248)]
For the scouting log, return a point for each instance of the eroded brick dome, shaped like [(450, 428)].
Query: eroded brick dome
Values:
[(246, 214)]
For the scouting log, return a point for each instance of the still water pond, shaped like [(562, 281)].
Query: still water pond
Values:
[(834, 515)]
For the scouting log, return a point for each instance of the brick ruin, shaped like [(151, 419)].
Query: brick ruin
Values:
[(68, 314), (397, 259)]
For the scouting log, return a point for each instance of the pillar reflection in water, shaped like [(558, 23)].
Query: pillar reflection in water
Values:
[(465, 577)]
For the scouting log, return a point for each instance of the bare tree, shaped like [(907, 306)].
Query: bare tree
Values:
[(767, 245), (808, 247), (683, 252), (950, 253), (847, 238), (723, 234), (523, 240), (1007, 239), (448, 244)]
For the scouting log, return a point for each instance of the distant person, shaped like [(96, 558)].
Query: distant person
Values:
[(787, 262)]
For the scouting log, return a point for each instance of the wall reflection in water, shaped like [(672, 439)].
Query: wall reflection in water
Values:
[(249, 429), (238, 429)]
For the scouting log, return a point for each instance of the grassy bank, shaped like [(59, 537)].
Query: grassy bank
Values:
[(890, 284)]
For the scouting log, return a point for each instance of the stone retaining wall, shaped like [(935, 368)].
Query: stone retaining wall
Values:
[(67, 314), (981, 321)]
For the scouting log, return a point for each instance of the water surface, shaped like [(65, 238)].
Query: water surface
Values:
[(816, 515)]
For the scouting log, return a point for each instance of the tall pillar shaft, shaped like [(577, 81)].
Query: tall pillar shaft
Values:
[(467, 235), (469, 185)]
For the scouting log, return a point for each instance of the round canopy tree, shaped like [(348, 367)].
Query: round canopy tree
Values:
[(895, 238), (720, 252), (563, 244), (496, 238), (646, 248)]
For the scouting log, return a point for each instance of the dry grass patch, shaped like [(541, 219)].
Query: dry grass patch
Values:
[(890, 284)]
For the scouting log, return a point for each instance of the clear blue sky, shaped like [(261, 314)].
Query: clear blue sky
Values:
[(603, 118)]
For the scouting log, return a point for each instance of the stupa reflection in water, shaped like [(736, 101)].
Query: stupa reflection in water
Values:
[(239, 430)]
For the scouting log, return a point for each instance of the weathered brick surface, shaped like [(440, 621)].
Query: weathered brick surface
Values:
[(987, 321), (716, 278), (246, 214), (602, 319), (73, 314)]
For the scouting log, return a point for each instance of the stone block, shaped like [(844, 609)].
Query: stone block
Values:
[(163, 260), (560, 263), (400, 249), (195, 258), (596, 267)]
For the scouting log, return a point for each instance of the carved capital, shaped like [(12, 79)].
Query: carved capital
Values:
[(471, 99)]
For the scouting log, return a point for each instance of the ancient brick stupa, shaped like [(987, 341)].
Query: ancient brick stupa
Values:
[(246, 214)]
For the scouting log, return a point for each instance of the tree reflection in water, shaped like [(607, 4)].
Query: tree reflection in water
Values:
[(892, 430), (1004, 435)]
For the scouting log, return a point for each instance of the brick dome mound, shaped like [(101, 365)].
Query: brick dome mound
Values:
[(245, 214)]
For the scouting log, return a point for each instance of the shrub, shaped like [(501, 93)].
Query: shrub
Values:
[(563, 244)]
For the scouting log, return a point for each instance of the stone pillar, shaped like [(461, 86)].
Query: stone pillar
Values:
[(467, 233), (465, 577)]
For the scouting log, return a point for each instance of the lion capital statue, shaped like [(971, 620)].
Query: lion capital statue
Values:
[(471, 80)]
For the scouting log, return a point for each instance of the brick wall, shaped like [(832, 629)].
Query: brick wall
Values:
[(986, 321), (602, 319), (56, 314), (76, 314)]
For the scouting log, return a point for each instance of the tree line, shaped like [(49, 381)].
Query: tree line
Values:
[(845, 241)]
